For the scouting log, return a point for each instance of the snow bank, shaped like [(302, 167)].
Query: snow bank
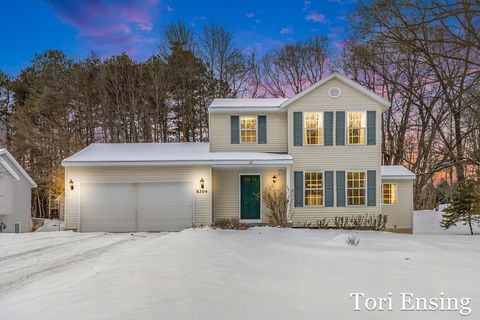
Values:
[(428, 222), (51, 225)]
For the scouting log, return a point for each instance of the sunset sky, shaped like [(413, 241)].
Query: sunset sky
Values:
[(110, 27)]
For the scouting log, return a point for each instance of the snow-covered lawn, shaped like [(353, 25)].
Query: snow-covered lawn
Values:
[(428, 222), (260, 273)]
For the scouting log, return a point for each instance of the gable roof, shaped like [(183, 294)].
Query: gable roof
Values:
[(184, 153), (396, 172), (354, 85), (280, 104), (6, 165)]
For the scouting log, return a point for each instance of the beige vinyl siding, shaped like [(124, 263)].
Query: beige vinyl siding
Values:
[(219, 134), (138, 174), (400, 215), (335, 158), (226, 189)]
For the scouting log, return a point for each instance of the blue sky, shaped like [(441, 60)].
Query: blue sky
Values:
[(110, 27)]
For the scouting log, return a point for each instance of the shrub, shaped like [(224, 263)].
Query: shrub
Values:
[(354, 222), (232, 223), (276, 202), (323, 223), (352, 240)]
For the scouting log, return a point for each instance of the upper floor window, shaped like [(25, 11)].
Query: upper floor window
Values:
[(389, 193), (313, 128), (313, 188), (356, 127), (356, 188), (248, 129)]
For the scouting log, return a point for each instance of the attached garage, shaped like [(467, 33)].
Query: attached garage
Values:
[(129, 187), (136, 206)]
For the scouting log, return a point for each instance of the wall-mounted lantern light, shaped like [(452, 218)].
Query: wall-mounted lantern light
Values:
[(274, 179), (70, 183), (202, 187)]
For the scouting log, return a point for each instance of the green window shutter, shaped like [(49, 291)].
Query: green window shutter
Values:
[(328, 188), (328, 128), (340, 128), (262, 129), (297, 129), (371, 132), (340, 188), (298, 183), (371, 188), (235, 129)]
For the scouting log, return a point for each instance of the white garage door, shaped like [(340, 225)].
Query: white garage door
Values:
[(144, 206)]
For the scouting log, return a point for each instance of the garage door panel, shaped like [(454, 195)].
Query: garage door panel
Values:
[(164, 225), (108, 225), (143, 206)]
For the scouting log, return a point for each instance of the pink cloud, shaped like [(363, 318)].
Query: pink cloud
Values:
[(316, 17), (341, 44), (109, 26)]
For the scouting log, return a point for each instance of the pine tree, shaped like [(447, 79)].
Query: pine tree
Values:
[(465, 206)]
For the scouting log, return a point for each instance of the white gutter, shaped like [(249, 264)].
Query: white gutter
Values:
[(409, 177), (245, 109), (174, 163)]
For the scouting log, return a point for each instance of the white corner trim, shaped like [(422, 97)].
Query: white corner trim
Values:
[(19, 168), (9, 169)]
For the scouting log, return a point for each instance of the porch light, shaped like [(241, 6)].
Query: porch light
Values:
[(274, 179), (202, 183), (70, 183)]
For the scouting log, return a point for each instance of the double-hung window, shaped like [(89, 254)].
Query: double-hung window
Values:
[(389, 193), (313, 128), (356, 127), (356, 188), (248, 129), (313, 188)]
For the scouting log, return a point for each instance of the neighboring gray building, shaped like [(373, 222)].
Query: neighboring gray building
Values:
[(15, 195)]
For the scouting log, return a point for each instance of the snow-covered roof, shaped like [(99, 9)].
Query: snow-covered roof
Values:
[(280, 104), (238, 105), (397, 172), (13, 173), (186, 153)]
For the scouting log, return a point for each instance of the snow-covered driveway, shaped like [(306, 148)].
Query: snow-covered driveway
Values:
[(261, 273)]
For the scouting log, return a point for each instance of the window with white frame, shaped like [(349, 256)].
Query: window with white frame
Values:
[(356, 127), (389, 193), (313, 128), (356, 188), (248, 129), (313, 188)]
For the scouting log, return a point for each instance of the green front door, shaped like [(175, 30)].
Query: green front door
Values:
[(250, 197)]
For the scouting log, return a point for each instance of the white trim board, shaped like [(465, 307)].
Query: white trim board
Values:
[(17, 165)]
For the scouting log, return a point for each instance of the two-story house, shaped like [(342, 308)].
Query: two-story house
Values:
[(322, 146)]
